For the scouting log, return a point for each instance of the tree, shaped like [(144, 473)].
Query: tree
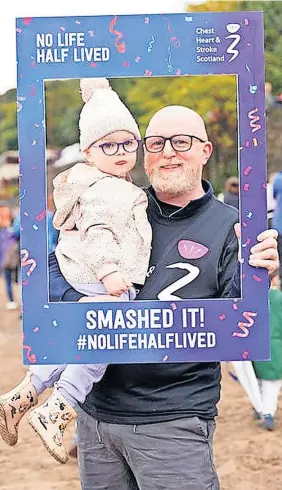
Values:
[(215, 6), (8, 126), (63, 103), (273, 39)]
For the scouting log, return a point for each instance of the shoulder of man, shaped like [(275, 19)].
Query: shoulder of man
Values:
[(226, 209)]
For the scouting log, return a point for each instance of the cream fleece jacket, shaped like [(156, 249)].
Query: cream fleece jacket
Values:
[(103, 226)]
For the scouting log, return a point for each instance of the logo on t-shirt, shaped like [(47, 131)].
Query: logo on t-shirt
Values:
[(188, 250)]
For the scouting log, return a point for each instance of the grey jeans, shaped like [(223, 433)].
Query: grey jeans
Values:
[(175, 455)]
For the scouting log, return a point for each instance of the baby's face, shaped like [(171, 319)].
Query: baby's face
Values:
[(113, 158)]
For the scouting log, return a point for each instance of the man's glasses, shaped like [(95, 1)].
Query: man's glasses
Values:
[(111, 148), (179, 142)]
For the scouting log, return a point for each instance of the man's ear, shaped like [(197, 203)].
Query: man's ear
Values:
[(207, 151)]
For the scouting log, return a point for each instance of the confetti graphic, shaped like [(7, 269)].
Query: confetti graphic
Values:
[(41, 215), (119, 35), (22, 194), (245, 326), (151, 44), (176, 42), (169, 65), (256, 278), (31, 357), (248, 170), (19, 105), (245, 354), (27, 21), (26, 261), (254, 118), (253, 89)]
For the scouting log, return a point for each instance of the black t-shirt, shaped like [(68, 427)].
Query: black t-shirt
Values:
[(148, 393)]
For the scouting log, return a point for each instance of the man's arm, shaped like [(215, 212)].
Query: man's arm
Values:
[(235, 287), (59, 288)]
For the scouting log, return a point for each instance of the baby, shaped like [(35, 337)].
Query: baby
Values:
[(103, 250)]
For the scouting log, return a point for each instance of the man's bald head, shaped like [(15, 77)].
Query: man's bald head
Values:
[(180, 119)]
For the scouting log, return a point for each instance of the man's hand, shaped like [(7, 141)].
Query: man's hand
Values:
[(263, 254), (115, 284)]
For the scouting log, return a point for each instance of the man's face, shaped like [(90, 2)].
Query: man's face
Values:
[(177, 172)]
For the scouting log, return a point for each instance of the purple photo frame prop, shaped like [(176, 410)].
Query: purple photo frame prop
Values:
[(141, 46)]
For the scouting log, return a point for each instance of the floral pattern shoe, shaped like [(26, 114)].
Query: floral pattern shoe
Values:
[(50, 421), (13, 406)]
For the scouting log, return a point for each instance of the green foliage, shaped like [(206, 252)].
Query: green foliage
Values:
[(8, 121), (214, 6), (63, 104), (273, 39)]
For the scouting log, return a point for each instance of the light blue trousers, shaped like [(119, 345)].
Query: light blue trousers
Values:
[(73, 381)]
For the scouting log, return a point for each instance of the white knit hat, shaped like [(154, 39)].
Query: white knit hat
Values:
[(103, 112)]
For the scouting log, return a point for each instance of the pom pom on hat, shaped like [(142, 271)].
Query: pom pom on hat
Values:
[(103, 112), (88, 87)]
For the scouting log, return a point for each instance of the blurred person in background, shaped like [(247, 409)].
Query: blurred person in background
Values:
[(231, 194), (269, 99), (269, 373), (52, 233), (9, 255)]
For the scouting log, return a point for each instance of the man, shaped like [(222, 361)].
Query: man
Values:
[(150, 426)]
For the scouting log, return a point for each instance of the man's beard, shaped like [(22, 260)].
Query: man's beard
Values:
[(181, 180)]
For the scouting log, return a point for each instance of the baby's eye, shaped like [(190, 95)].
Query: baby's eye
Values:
[(109, 144)]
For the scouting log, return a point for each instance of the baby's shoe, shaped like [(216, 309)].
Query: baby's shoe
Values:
[(49, 422), (256, 415), (13, 406), (268, 422)]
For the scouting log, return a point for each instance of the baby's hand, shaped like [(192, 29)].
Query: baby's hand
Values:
[(115, 284)]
